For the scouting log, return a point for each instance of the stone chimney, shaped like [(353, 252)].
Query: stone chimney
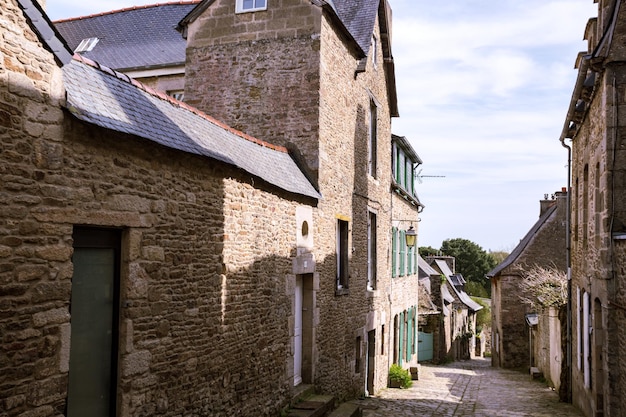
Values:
[(559, 197), (547, 202)]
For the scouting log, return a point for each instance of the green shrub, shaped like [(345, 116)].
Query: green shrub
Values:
[(399, 377)]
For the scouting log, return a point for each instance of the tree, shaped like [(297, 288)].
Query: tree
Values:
[(498, 256), (544, 287), (428, 251), (483, 316), (471, 260)]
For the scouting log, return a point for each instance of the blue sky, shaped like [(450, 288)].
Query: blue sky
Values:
[(483, 90)]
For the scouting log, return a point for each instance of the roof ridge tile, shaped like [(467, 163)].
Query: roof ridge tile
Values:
[(127, 9), (161, 95)]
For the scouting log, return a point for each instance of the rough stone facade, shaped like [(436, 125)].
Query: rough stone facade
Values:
[(208, 258), (595, 125), (543, 246), (216, 270), (288, 74)]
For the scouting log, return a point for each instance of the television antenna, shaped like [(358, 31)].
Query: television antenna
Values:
[(419, 176)]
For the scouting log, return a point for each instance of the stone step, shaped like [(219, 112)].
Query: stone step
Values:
[(347, 410), (302, 392), (313, 406)]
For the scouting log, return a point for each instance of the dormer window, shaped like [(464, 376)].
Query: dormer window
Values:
[(244, 6), (86, 45)]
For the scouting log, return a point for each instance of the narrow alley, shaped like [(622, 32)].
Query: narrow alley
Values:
[(469, 389)]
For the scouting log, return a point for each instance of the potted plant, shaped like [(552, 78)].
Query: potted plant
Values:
[(399, 377)]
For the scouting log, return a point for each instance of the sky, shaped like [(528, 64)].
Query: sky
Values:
[(483, 91)]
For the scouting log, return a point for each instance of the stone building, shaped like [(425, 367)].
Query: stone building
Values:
[(594, 133), (238, 268), (404, 286), (430, 317), (140, 240), (129, 41), (543, 246), (456, 335), (318, 78)]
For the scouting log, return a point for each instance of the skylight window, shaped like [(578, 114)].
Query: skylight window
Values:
[(86, 45)]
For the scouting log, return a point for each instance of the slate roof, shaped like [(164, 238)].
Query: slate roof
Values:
[(466, 299), (359, 17), (456, 281), (424, 269), (51, 39), (135, 37), (523, 243), (106, 98)]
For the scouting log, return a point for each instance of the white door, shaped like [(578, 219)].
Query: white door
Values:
[(297, 334)]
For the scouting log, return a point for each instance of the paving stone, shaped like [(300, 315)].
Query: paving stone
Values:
[(469, 389)]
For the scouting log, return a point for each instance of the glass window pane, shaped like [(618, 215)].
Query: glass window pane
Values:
[(248, 4)]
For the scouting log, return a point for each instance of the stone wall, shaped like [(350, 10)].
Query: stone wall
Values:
[(545, 249), (597, 211), (257, 73), (598, 222), (207, 258), (287, 75)]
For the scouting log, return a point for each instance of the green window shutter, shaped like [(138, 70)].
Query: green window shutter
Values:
[(409, 261), (401, 339), (394, 251), (409, 336), (402, 244)]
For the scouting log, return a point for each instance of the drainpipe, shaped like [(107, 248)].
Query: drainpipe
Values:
[(580, 80)]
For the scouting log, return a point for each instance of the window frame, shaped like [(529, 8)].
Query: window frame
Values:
[(372, 151), (372, 263), (239, 6), (374, 50), (343, 255)]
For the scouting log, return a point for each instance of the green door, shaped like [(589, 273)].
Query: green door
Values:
[(94, 324), (424, 346)]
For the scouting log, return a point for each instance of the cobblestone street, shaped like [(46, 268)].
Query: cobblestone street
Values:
[(469, 389)]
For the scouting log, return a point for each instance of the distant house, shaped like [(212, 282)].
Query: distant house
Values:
[(141, 42), (543, 246), (430, 313), (457, 338)]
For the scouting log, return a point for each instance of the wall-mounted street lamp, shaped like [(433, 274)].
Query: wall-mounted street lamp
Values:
[(410, 236)]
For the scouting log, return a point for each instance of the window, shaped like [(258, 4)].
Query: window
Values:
[(357, 355), (409, 260), (585, 205), (586, 339), (176, 94), (373, 132), (382, 339), (402, 243), (371, 252), (408, 176), (250, 5), (374, 52), (86, 45), (394, 251), (405, 162), (342, 254)]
